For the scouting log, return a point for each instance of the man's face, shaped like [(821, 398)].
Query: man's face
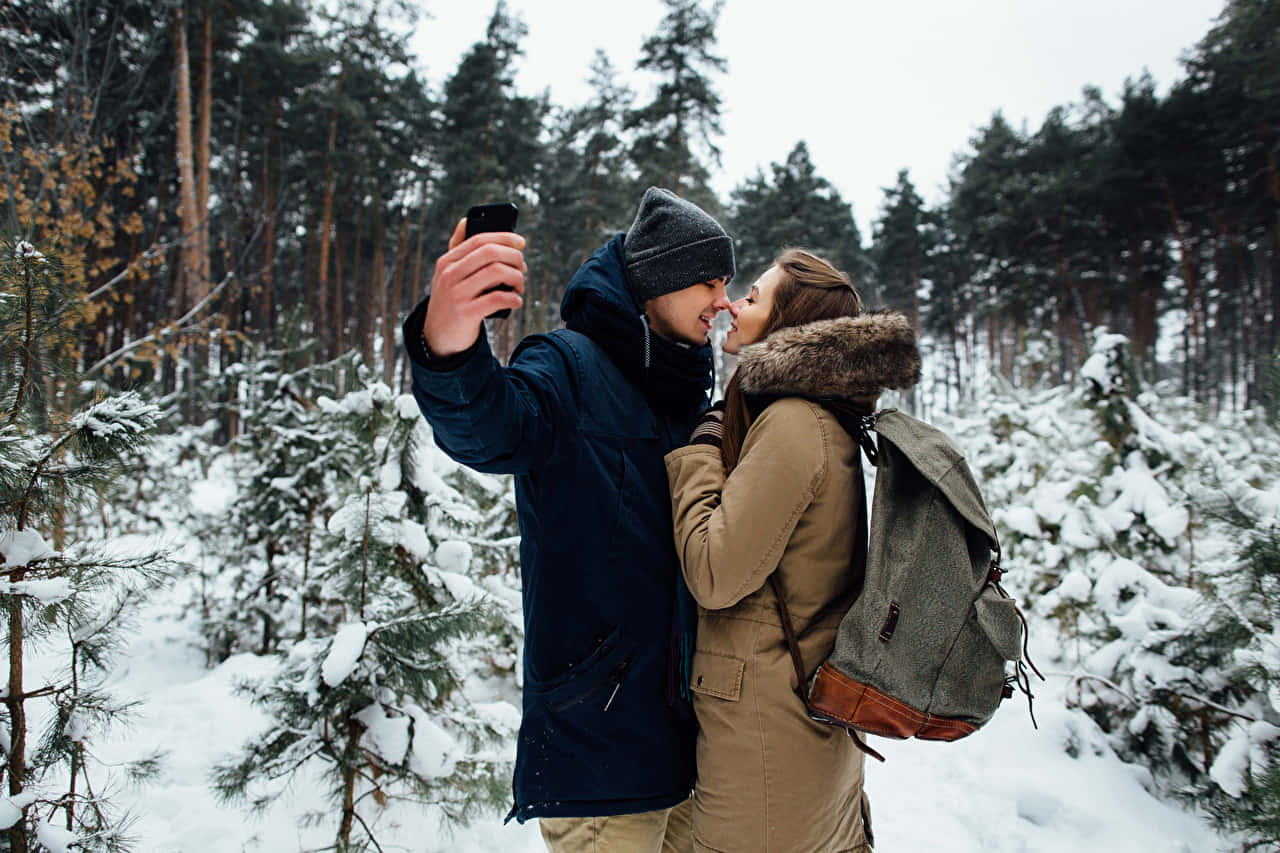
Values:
[(685, 315)]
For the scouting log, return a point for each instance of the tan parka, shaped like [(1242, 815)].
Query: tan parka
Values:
[(769, 778)]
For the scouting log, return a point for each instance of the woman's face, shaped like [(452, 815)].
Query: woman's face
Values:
[(751, 313)]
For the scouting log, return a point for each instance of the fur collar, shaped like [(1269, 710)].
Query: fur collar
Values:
[(847, 357)]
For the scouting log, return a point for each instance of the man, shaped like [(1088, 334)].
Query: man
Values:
[(583, 417)]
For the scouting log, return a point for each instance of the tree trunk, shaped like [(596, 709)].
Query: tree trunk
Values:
[(416, 282), (1193, 334), (369, 300), (188, 206), (202, 145), (348, 765), (326, 218), (392, 306), (17, 763), (266, 324)]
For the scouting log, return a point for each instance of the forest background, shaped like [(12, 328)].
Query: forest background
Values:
[(217, 214)]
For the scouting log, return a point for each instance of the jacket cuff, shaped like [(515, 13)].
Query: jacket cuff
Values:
[(416, 346), (708, 450)]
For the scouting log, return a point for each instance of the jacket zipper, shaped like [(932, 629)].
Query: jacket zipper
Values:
[(614, 678)]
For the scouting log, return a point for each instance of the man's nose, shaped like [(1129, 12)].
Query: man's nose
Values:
[(721, 302)]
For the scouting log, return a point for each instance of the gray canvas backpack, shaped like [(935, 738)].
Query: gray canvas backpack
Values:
[(924, 650)]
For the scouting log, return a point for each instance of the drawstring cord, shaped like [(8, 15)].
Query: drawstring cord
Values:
[(1020, 679), (644, 319)]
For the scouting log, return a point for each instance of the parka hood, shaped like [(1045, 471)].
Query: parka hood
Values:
[(853, 358), (602, 278), (600, 304)]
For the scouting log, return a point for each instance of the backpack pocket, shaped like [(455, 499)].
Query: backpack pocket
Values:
[(999, 619)]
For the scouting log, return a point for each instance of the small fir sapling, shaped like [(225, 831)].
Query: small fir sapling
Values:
[(372, 694), (66, 603), (287, 460)]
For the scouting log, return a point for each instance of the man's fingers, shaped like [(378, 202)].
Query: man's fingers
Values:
[(478, 260), (487, 278), (496, 300), (465, 245), (459, 233)]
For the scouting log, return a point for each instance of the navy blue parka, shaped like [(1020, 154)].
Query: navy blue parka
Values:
[(583, 417)]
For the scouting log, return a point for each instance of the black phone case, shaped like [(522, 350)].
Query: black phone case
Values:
[(499, 216)]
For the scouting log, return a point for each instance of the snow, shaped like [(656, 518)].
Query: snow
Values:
[(1098, 367), (20, 548), (434, 751), (1020, 518), (1240, 751), (11, 807), (1007, 789), (385, 735), (453, 556), (24, 251), (47, 591), (348, 645), (55, 839), (127, 412)]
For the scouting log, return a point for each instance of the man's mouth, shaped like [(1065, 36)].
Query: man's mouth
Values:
[(706, 323)]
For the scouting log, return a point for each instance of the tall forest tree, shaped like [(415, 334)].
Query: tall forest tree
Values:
[(587, 193), (490, 142), (675, 143), (794, 206), (898, 249)]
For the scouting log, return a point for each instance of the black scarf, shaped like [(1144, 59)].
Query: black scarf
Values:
[(673, 377)]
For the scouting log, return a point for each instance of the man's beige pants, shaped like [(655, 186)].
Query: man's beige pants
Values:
[(664, 831)]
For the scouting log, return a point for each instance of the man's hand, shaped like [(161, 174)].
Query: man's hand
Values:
[(463, 288)]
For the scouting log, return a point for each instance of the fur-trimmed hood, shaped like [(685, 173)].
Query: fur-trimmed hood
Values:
[(846, 357)]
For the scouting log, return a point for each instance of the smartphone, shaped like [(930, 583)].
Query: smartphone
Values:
[(499, 216)]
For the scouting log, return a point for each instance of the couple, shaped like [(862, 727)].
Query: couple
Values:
[(605, 426)]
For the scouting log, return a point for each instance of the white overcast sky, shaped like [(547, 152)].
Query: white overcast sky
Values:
[(872, 87)]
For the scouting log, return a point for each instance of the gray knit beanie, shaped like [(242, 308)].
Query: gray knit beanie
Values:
[(673, 244)]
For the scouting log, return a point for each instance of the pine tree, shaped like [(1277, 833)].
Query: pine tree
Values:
[(490, 144), (286, 464), (372, 693), (586, 194), (73, 599), (897, 248), (794, 206), (675, 132)]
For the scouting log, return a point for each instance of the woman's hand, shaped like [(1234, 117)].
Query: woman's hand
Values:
[(710, 430)]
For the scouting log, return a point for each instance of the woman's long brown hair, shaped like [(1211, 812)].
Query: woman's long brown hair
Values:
[(810, 289)]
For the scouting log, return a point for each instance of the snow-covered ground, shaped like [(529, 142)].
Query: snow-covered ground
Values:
[(1008, 788), (1062, 497)]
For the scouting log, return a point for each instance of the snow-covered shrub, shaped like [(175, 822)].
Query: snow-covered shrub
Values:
[(288, 461), (65, 599), (1112, 506), (372, 694)]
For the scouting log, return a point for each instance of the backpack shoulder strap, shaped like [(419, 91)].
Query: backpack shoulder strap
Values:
[(793, 646)]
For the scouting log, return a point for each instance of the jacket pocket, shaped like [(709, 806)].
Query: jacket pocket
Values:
[(603, 670), (716, 674)]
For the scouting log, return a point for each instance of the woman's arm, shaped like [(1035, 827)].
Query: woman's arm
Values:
[(731, 532)]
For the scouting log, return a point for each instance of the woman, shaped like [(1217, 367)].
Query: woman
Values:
[(776, 497)]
